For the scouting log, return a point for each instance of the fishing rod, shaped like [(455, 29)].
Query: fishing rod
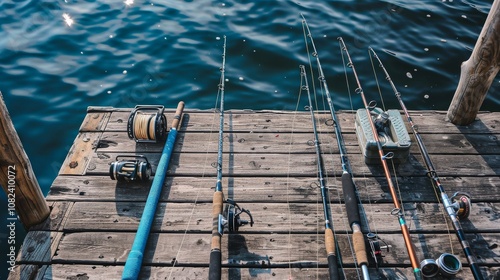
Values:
[(348, 186), (330, 243), (134, 259), (229, 219), (458, 209), (383, 158)]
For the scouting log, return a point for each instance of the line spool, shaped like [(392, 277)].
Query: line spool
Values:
[(147, 123), (128, 168)]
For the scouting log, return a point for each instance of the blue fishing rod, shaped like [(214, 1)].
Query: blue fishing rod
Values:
[(447, 264), (348, 186), (134, 260), (333, 256), (224, 217)]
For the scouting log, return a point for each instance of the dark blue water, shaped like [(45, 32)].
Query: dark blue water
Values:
[(120, 54)]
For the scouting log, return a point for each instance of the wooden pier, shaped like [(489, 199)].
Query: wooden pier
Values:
[(269, 169)]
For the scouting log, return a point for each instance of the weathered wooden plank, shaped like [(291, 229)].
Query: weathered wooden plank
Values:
[(207, 143), (194, 164), (59, 211), (95, 121), (257, 121), (111, 248), (80, 153), (66, 271), (26, 271), (267, 189), (39, 247), (238, 142), (275, 217)]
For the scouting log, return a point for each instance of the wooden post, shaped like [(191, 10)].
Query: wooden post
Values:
[(478, 72), (17, 177)]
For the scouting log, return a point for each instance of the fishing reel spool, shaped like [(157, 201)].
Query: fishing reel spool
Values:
[(130, 168), (447, 265), (147, 123), (230, 218), (461, 203)]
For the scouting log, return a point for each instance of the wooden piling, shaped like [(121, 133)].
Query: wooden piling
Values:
[(16, 175), (478, 72)]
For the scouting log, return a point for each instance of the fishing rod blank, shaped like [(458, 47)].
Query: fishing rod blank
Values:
[(330, 243), (383, 158), (348, 186), (228, 219), (134, 259), (458, 209)]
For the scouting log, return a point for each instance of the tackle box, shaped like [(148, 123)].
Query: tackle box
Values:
[(392, 135)]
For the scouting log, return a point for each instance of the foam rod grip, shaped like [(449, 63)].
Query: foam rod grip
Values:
[(214, 270), (351, 203), (360, 248)]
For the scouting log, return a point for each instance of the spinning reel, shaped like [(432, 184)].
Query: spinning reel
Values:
[(147, 123), (230, 217), (130, 168), (461, 204)]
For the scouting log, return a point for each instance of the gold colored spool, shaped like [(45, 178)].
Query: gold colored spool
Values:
[(144, 126), (147, 124)]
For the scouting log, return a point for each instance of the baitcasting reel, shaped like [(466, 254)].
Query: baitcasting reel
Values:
[(447, 264), (147, 123), (230, 218), (130, 168), (461, 204)]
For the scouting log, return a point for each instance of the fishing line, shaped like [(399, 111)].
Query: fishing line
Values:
[(342, 212), (210, 135), (372, 236), (422, 157), (321, 78), (447, 264), (330, 241), (331, 159), (288, 186), (392, 161), (349, 188), (316, 104), (376, 81), (383, 157), (225, 212)]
